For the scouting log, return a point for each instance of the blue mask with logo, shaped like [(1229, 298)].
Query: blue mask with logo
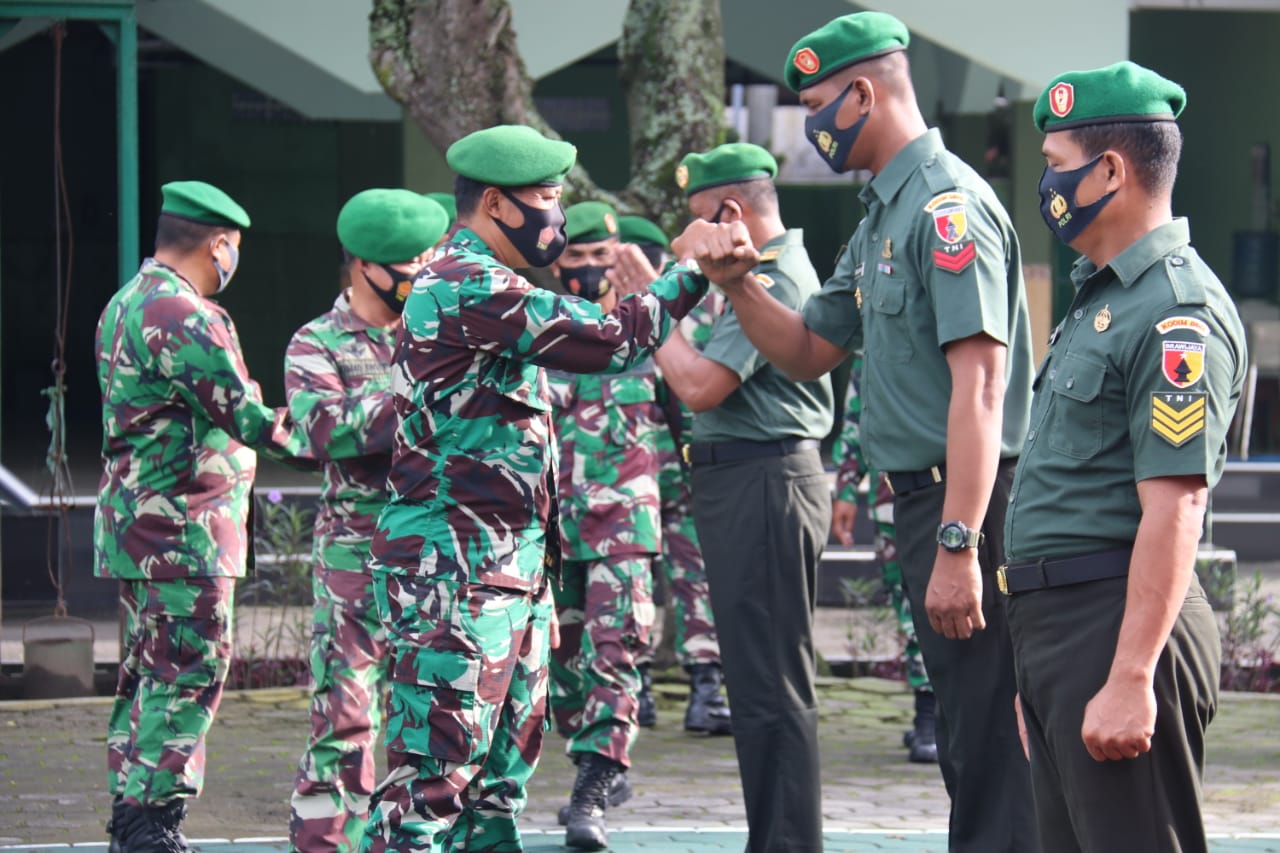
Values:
[(831, 142), (1058, 207)]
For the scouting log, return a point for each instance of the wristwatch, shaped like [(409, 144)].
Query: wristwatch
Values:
[(955, 537)]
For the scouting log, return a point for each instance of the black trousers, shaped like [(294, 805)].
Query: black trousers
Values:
[(979, 753), (1064, 640), (762, 524)]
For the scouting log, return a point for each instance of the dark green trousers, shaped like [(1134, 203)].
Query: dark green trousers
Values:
[(981, 759), (1064, 640), (762, 524)]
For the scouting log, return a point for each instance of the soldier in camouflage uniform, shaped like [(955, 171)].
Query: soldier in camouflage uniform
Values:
[(180, 420), (468, 543), (696, 645), (610, 528), (851, 468), (338, 382)]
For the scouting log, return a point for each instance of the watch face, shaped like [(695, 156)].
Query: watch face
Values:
[(951, 536)]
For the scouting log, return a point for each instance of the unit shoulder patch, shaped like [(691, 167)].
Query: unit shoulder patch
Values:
[(765, 281), (950, 221), (1182, 362), (771, 255), (1194, 324), (955, 258), (1178, 417)]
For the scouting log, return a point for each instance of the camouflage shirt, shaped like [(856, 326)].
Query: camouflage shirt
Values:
[(473, 470), (178, 409), (338, 382), (608, 428), (851, 467)]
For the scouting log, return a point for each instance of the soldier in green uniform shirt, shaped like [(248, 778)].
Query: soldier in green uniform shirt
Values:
[(1116, 648), (761, 502), (930, 287)]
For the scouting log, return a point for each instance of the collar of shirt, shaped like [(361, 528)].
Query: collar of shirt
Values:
[(469, 240), (150, 266), (1130, 264), (346, 319), (790, 237), (896, 172)]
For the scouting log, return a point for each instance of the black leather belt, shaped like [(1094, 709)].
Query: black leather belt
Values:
[(901, 482), (1030, 575), (713, 452)]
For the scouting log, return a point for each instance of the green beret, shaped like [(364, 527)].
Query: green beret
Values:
[(201, 202), (447, 201), (589, 222), (511, 155), (637, 229), (390, 226), (1122, 92), (841, 43), (732, 163)]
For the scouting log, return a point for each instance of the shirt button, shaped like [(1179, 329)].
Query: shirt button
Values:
[(1079, 313), (1052, 373), (1177, 262), (1031, 436), (875, 237), (1071, 383)]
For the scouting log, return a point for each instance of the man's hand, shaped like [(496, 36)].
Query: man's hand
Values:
[(1022, 725), (954, 598), (553, 629), (843, 515), (631, 271), (1120, 720), (723, 252)]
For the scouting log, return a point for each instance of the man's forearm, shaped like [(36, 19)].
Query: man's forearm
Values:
[(778, 332), (975, 417)]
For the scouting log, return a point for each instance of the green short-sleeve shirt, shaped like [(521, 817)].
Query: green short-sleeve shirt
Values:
[(1141, 381), (767, 405), (935, 260)]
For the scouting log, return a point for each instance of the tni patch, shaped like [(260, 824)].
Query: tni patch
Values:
[(1182, 362), (955, 258), (1178, 418)]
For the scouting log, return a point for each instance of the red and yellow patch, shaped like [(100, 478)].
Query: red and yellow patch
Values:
[(1062, 98), (1178, 418), (1182, 362), (955, 258), (949, 220), (807, 61), (403, 289), (546, 236)]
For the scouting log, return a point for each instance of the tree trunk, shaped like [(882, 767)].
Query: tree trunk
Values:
[(454, 65)]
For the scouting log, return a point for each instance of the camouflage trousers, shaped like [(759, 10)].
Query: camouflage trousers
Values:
[(891, 576), (466, 708), (681, 564), (335, 777), (605, 608), (176, 655)]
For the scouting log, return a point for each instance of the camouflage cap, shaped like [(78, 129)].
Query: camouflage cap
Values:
[(201, 202), (1123, 92), (637, 229), (589, 222), (731, 163), (841, 43), (511, 155), (390, 226), (447, 201)]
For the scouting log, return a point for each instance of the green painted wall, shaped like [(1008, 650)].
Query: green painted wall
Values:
[(1229, 65)]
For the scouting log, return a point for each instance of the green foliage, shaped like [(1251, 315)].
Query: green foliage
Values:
[(273, 604), (1250, 638)]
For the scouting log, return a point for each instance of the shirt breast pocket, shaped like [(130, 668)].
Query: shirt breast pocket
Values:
[(1076, 430), (889, 329)]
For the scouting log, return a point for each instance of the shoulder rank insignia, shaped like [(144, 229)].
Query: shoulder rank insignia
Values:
[(771, 255), (765, 281), (1177, 417), (955, 258)]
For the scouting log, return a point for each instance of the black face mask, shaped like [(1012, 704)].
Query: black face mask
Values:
[(830, 141), (541, 238), (1058, 205), (585, 281), (397, 293)]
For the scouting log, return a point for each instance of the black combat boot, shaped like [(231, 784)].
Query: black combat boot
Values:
[(116, 820), (646, 707), (586, 829), (150, 829), (708, 711), (619, 792), (924, 741)]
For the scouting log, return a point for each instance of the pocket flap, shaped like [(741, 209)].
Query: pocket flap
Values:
[(1078, 378)]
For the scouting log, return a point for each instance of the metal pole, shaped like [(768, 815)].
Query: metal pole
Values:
[(127, 144)]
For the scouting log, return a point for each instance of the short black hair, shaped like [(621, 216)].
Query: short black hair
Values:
[(184, 235), (466, 195), (1150, 148)]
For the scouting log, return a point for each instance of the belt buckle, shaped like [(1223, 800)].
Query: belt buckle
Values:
[(1002, 582), (684, 454)]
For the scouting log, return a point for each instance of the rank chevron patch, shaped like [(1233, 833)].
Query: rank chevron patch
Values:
[(1177, 418)]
